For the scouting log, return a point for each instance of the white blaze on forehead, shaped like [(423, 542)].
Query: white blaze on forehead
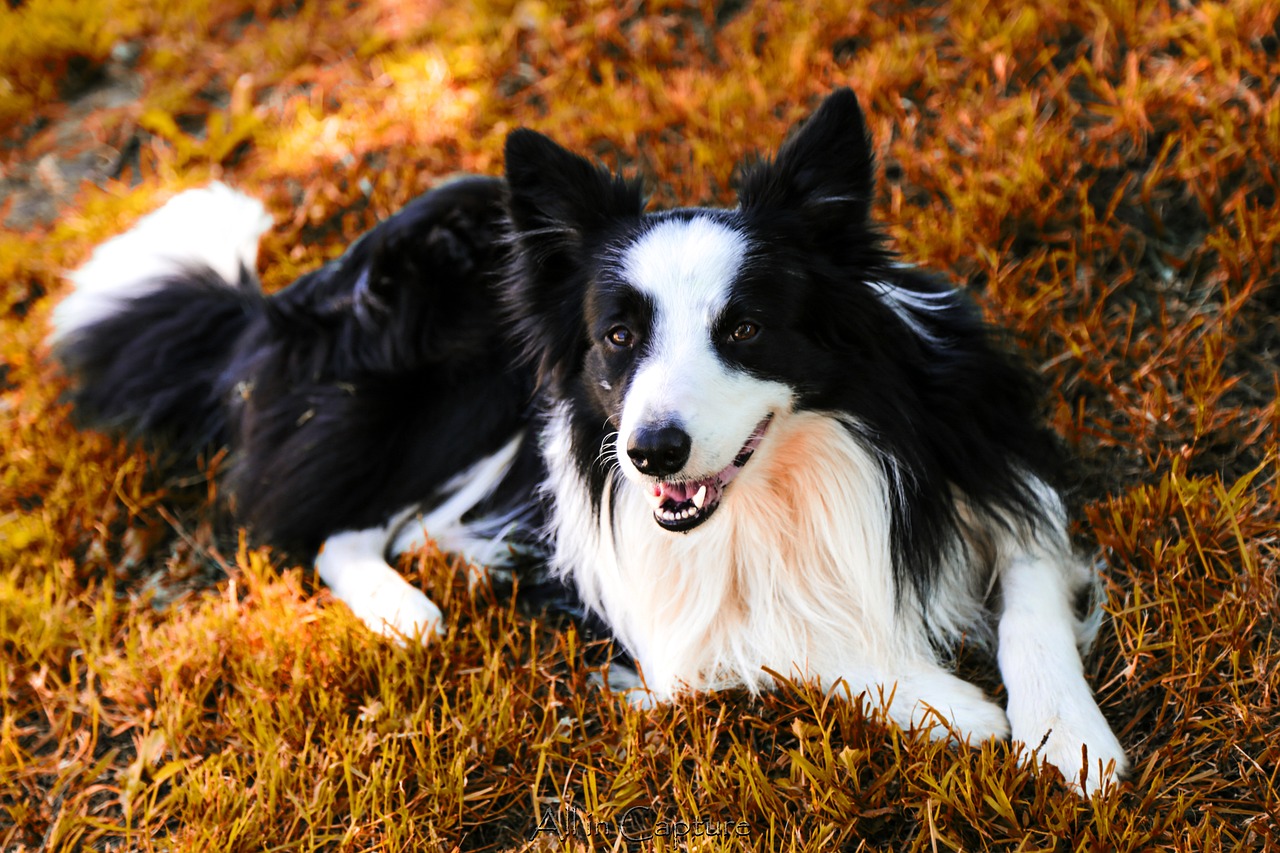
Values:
[(686, 265), (687, 269)]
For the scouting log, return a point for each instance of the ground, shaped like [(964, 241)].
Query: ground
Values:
[(1103, 176)]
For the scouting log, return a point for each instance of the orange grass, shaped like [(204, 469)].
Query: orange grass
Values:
[(1104, 176)]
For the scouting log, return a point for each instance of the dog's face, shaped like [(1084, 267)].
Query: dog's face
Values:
[(689, 332), (683, 343)]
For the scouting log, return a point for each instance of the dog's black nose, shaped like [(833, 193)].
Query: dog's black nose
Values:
[(660, 451)]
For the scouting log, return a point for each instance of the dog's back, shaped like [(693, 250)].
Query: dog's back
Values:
[(364, 387)]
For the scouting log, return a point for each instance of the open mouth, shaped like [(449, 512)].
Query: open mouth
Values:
[(682, 506)]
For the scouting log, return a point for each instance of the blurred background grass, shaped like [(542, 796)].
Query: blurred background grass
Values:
[(1103, 175)]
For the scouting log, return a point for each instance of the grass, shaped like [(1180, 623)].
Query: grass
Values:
[(1103, 175)]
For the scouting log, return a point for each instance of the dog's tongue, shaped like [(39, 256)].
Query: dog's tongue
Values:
[(675, 492), (699, 492)]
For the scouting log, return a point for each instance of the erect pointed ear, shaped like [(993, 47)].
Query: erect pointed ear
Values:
[(560, 207), (556, 193), (825, 171)]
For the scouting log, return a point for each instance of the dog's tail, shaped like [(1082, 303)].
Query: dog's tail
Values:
[(155, 314)]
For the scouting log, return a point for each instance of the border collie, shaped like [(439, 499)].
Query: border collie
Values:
[(748, 438)]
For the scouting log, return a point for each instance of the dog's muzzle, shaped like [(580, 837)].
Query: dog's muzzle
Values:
[(681, 505)]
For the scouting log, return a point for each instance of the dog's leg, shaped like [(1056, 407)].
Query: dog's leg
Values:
[(481, 542), (929, 698), (354, 565), (1051, 707)]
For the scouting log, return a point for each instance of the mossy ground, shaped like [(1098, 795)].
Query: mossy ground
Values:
[(1103, 175)]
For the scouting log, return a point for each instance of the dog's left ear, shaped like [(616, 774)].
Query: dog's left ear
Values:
[(825, 172)]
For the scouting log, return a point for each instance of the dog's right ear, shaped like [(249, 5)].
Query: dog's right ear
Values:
[(562, 208)]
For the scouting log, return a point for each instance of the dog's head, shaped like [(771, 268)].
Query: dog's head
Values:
[(690, 332)]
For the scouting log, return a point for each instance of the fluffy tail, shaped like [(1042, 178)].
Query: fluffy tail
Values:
[(156, 312)]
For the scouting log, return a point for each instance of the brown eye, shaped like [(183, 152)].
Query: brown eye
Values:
[(745, 331), (621, 336)]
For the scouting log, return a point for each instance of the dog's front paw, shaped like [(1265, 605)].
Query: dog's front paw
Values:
[(979, 720), (949, 707), (1085, 751), (624, 682), (971, 721), (353, 566), (398, 611)]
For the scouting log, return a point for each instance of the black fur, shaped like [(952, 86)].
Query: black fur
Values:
[(151, 370), (359, 390)]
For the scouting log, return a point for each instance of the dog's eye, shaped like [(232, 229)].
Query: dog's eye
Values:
[(744, 331), (621, 336)]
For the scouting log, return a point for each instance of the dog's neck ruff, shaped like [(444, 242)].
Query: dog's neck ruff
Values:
[(794, 573)]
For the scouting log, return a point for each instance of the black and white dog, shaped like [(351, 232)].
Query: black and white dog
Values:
[(748, 438)]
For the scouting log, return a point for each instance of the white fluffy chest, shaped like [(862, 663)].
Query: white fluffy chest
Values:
[(793, 573)]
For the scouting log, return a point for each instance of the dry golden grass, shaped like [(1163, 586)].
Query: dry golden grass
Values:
[(1104, 175)]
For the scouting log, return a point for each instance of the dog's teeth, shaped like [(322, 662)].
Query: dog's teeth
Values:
[(685, 512), (700, 497)]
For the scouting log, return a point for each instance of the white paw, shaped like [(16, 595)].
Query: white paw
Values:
[(1087, 753), (626, 683), (970, 722), (353, 566), (398, 611), (949, 707)]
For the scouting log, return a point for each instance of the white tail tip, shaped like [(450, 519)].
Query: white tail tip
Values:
[(214, 226)]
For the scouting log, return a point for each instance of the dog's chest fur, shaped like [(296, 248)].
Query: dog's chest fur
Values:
[(794, 573)]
